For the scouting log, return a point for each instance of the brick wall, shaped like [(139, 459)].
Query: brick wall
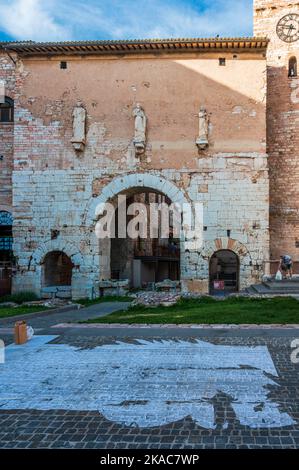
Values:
[(282, 128), (7, 75)]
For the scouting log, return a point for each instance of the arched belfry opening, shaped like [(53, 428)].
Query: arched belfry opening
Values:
[(293, 67), (153, 256), (224, 272)]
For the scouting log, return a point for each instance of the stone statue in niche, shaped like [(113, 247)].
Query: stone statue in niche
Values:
[(140, 129), (202, 141), (79, 126)]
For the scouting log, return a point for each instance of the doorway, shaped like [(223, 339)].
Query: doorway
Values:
[(224, 272)]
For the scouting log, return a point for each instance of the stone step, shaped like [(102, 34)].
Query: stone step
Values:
[(294, 280), (260, 289), (288, 286), (277, 288)]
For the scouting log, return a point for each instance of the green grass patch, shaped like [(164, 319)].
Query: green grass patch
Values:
[(6, 312), (100, 300), (19, 298), (207, 310)]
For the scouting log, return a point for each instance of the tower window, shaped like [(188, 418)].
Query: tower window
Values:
[(293, 67), (6, 110), (63, 65), (222, 61)]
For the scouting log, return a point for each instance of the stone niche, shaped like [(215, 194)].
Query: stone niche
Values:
[(202, 140), (79, 127), (139, 140)]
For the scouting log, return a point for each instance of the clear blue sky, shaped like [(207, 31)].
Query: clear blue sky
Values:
[(59, 20)]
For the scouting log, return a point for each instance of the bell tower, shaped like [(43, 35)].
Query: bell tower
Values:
[(278, 20)]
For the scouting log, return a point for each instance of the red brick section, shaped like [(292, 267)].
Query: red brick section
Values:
[(282, 128), (6, 136), (6, 163), (283, 145)]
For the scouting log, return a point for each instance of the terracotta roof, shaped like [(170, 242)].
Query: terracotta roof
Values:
[(133, 46)]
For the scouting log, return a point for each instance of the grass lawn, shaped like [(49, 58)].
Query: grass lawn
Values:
[(108, 298), (6, 312), (207, 310)]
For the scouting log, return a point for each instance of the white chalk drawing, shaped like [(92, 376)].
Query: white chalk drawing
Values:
[(145, 384)]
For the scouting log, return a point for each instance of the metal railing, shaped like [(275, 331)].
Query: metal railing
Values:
[(6, 243)]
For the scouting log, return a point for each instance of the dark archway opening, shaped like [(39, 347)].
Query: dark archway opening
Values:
[(293, 67), (147, 260), (6, 253), (224, 272), (57, 270)]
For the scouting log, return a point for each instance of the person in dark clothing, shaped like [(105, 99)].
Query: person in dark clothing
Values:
[(286, 266)]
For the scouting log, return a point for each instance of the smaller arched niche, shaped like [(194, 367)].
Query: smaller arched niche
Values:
[(224, 272), (57, 269), (293, 67)]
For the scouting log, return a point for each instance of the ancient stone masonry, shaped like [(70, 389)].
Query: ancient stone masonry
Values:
[(282, 125), (69, 157)]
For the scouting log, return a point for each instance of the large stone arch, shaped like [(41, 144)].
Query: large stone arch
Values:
[(134, 180), (121, 184)]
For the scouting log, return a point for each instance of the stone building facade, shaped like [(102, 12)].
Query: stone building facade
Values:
[(54, 175)]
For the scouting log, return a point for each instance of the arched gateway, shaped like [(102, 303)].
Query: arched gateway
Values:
[(146, 260), (224, 272)]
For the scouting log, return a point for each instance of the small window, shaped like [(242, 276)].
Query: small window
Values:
[(222, 61), (6, 110), (63, 65), (293, 67)]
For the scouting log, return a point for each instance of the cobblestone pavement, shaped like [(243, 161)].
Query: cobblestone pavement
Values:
[(60, 428)]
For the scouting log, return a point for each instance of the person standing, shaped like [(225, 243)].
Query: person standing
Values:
[(286, 266)]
